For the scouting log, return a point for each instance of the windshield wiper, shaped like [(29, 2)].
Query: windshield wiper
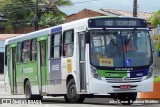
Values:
[(113, 41)]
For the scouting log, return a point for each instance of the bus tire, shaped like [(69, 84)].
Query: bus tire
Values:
[(28, 93), (72, 96), (37, 97)]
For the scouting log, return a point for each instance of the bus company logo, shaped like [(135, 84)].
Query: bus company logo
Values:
[(27, 70), (55, 67)]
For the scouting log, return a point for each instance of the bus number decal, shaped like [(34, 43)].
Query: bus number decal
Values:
[(55, 67), (106, 61), (55, 71)]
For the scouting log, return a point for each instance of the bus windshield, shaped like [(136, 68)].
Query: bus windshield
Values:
[(120, 48)]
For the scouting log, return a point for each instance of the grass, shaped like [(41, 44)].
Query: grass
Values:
[(156, 79)]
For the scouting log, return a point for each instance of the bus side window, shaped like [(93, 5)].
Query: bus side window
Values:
[(33, 50), (6, 54), (56, 45), (19, 52), (25, 51), (68, 43)]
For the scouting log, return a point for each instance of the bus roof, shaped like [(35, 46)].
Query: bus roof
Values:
[(68, 25), (29, 35), (114, 17)]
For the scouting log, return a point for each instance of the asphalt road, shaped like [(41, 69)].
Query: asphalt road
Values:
[(93, 102)]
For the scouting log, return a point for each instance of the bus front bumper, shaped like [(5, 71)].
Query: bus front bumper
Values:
[(102, 87)]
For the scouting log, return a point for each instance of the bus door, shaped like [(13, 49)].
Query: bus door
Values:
[(42, 66), (13, 70), (82, 68)]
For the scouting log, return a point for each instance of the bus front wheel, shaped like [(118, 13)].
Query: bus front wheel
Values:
[(72, 96)]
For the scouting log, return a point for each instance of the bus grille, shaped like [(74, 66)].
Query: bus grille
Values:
[(123, 80)]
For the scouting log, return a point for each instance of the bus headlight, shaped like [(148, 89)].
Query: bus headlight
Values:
[(150, 73), (95, 73)]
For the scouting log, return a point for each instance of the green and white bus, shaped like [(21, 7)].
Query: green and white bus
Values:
[(98, 56)]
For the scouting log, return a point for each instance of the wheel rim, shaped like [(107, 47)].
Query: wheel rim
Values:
[(72, 91)]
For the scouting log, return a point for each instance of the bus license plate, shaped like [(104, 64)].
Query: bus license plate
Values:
[(125, 86)]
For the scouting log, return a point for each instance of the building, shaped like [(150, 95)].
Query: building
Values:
[(104, 12)]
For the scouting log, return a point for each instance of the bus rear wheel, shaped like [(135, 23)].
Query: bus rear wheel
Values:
[(72, 96), (28, 93)]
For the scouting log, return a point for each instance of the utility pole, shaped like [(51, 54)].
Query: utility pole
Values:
[(135, 8), (36, 16)]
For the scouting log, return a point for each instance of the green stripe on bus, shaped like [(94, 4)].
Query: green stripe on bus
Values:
[(112, 74), (41, 38), (13, 45)]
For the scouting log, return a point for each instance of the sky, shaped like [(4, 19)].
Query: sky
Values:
[(143, 5)]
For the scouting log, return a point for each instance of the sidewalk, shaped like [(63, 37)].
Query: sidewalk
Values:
[(1, 80), (1, 77)]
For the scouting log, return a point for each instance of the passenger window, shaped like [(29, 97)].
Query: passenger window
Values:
[(25, 51), (68, 40), (56, 45), (33, 50), (43, 54), (19, 52)]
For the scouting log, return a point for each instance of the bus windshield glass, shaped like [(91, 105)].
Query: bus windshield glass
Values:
[(120, 48)]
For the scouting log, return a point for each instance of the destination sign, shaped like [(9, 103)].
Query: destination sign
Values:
[(117, 23)]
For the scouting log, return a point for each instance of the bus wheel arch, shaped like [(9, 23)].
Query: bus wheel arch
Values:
[(25, 80), (69, 77), (27, 90), (72, 96)]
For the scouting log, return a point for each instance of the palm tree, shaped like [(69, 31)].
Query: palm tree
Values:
[(52, 6), (24, 10), (51, 15)]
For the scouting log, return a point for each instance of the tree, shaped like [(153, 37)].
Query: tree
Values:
[(155, 18), (48, 20), (52, 12), (15, 10), (22, 12)]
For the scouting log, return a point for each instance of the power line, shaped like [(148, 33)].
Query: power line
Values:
[(85, 1), (27, 5)]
